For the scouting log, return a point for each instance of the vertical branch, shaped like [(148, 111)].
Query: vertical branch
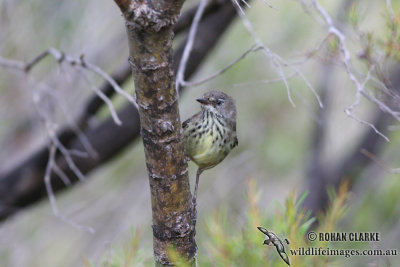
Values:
[(149, 27)]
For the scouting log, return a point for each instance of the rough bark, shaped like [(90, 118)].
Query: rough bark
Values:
[(149, 28)]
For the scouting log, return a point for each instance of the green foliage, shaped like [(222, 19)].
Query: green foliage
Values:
[(392, 39), (333, 45), (130, 255), (227, 244), (378, 206), (354, 15), (375, 43)]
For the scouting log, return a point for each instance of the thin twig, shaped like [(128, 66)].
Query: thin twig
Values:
[(47, 179), (108, 78), (64, 151), (106, 100), (61, 57), (75, 128), (379, 162), (311, 53), (51, 131), (12, 64), (253, 83), (216, 74), (189, 45), (278, 62), (390, 9), (247, 4), (346, 62), (270, 55), (60, 173), (78, 153), (269, 5), (348, 110)]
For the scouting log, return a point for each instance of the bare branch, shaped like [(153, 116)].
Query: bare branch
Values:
[(253, 83), (106, 100), (379, 162), (349, 109), (216, 74), (64, 151), (346, 62), (74, 127), (270, 55), (186, 19), (381, 105), (61, 57), (311, 53), (47, 180), (51, 131), (244, 2), (276, 60), (60, 173), (12, 64), (390, 9), (268, 4), (189, 45), (107, 77)]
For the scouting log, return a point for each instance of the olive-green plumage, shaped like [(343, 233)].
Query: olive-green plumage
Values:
[(210, 135)]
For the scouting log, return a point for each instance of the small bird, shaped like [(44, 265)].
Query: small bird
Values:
[(210, 134)]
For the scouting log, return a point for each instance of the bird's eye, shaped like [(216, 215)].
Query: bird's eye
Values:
[(219, 102)]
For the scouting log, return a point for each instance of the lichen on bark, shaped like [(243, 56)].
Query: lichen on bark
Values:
[(149, 30)]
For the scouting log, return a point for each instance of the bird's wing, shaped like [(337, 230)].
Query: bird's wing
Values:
[(185, 123), (232, 124), (235, 142), (194, 117)]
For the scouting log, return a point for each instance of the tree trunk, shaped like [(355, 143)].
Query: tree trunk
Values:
[(149, 27)]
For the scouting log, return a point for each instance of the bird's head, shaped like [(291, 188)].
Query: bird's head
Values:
[(219, 103)]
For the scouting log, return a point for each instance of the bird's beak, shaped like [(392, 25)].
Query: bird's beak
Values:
[(203, 101)]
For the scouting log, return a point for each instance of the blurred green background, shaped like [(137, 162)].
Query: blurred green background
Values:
[(275, 138)]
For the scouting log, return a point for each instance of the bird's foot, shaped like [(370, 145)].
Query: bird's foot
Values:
[(194, 211)]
